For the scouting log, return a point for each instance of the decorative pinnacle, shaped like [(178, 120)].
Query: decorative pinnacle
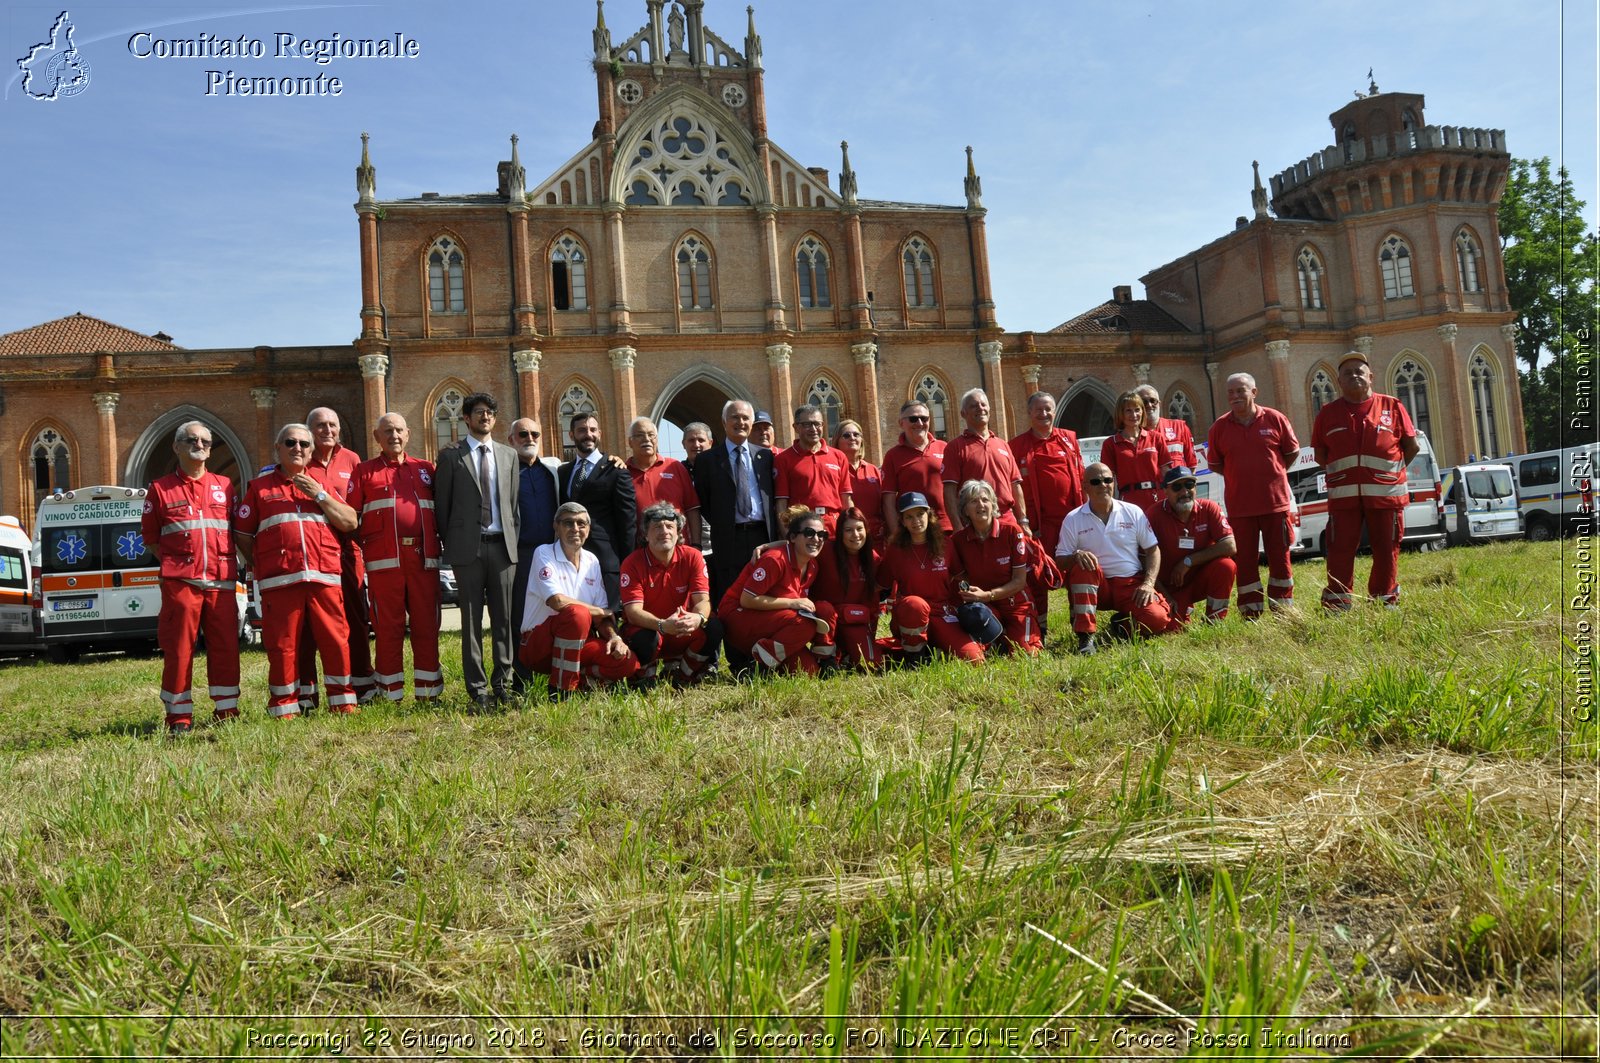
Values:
[(366, 175), (1258, 195), (974, 187), (847, 176)]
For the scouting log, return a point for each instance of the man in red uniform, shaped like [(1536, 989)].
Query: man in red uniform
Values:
[(1197, 548), (658, 479), (666, 601), (1172, 435), (978, 454), (285, 528), (393, 496), (916, 463), (1363, 441), (1052, 481), (332, 466), (1252, 446), (188, 524), (1110, 556), (811, 473)]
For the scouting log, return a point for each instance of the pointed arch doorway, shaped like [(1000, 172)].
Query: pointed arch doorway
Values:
[(697, 394), (151, 456)]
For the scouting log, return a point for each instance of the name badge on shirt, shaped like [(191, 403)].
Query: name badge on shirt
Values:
[(1186, 543)]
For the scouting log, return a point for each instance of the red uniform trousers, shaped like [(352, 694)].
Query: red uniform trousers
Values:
[(359, 647), (1385, 528), (1092, 589), (1019, 622), (285, 613), (781, 639), (185, 610), (689, 656), (1275, 536), (916, 626), (857, 636), (409, 591), (564, 648), (1212, 581)]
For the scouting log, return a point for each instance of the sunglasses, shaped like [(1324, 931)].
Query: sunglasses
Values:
[(296, 444), (527, 435), (1102, 481), (1182, 485), (813, 533), (196, 441), (918, 420)]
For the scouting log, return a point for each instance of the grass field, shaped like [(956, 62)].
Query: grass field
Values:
[(1372, 834)]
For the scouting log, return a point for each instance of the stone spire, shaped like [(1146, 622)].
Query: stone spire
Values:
[(974, 186), (516, 177), (366, 177), (602, 36), (847, 176), (1258, 195), (752, 39)]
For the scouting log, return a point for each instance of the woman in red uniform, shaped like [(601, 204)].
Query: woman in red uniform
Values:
[(866, 479), (1135, 454), (847, 580), (915, 570), (990, 565), (768, 613)]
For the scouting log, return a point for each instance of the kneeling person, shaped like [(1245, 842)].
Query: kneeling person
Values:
[(567, 628), (1109, 554), (1197, 548), (768, 612), (666, 600)]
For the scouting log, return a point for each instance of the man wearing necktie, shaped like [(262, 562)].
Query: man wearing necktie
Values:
[(734, 482), (476, 505), (606, 490)]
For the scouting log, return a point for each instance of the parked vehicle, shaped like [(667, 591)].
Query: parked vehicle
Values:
[(1480, 503), (1208, 484), (1555, 489), (1424, 516), (449, 593), (16, 589)]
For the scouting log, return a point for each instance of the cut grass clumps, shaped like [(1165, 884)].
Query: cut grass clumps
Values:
[(1307, 836)]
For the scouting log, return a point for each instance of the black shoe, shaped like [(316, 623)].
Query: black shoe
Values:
[(482, 704), (1086, 646)]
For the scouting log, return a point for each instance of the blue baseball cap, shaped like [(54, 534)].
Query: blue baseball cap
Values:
[(1177, 474), (912, 500)]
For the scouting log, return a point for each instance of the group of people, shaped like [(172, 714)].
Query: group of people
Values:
[(646, 568)]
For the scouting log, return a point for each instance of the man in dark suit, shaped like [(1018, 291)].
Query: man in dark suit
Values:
[(734, 482), (476, 508), (606, 491), (536, 514)]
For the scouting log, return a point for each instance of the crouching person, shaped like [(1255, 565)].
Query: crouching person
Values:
[(568, 631), (666, 602), (768, 612), (1109, 553), (1197, 548)]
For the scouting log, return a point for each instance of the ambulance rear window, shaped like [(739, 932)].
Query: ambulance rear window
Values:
[(11, 569), (88, 547)]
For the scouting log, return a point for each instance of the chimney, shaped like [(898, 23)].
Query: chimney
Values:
[(1122, 293), (820, 173)]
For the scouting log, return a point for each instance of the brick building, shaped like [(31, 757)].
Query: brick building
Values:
[(682, 258)]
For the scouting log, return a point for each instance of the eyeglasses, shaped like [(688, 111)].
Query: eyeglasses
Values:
[(917, 420), (481, 411), (527, 435), (1152, 402), (813, 533), (296, 444), (1187, 485), (196, 441), (1101, 481)]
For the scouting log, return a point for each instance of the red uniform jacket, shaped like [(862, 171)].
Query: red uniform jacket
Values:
[(192, 522), (294, 541)]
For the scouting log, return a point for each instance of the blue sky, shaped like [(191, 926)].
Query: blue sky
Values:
[(1111, 138)]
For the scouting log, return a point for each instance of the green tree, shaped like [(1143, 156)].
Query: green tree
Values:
[(1551, 269)]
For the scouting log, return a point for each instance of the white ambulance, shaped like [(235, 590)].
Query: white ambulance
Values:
[(95, 585), (1425, 526), (16, 589)]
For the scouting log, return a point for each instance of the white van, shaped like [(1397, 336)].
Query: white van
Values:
[(16, 589), (1555, 489), (1480, 503), (96, 585), (1425, 525)]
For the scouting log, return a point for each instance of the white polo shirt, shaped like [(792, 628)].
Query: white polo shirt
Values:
[(1116, 542), (551, 573)]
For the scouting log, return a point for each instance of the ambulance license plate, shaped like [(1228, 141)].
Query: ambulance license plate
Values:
[(64, 605)]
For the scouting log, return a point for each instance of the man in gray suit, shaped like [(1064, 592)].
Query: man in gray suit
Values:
[(479, 529)]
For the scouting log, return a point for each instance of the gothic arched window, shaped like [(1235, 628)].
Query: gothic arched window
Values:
[(932, 393), (1394, 261), (1411, 388), (1179, 408), (1309, 267), (1483, 385), (694, 274), (1467, 256), (448, 426), (1322, 390), (575, 400), (446, 277), (569, 277), (811, 266), (917, 260), (52, 462), (825, 397), (683, 160)]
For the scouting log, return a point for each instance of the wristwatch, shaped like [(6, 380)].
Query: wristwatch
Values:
[(1187, 562), (320, 497)]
